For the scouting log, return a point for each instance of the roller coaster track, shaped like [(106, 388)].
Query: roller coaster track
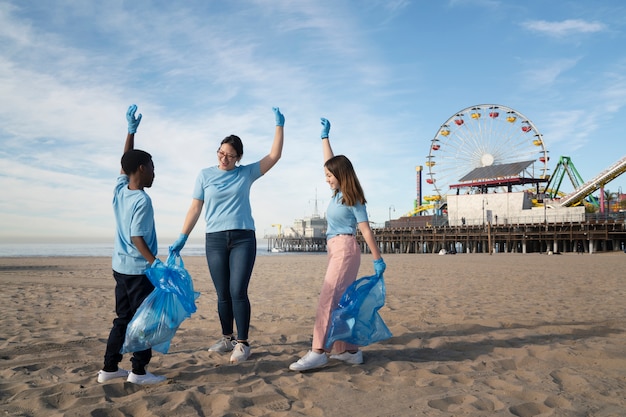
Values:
[(594, 184)]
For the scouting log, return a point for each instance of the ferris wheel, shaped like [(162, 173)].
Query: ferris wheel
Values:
[(481, 136)]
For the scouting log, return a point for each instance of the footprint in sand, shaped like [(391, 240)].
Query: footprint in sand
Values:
[(273, 402), (467, 404), (529, 410), (452, 403), (569, 381)]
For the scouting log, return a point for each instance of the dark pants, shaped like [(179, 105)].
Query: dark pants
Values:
[(130, 291), (230, 256)]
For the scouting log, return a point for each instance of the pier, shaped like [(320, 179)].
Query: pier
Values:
[(521, 238), (295, 244), (596, 234)]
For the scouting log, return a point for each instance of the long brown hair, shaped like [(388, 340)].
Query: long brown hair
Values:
[(349, 184)]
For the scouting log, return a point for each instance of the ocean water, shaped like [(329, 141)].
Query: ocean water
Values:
[(98, 249)]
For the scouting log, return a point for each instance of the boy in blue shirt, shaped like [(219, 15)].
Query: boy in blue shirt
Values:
[(135, 250)]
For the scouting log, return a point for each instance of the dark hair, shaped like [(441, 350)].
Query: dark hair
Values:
[(133, 159), (342, 169), (235, 142)]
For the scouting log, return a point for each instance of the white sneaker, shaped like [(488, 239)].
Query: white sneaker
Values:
[(146, 379), (355, 358), (311, 360), (241, 353), (223, 345), (104, 376)]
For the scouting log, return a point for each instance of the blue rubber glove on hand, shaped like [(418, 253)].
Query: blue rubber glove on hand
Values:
[(325, 128), (133, 122), (280, 119), (379, 266), (179, 244), (157, 262)]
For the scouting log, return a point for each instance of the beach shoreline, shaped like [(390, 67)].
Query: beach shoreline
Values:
[(473, 335)]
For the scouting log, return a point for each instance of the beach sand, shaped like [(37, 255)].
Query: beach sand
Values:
[(473, 335)]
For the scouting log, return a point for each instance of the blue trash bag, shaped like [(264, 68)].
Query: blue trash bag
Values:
[(356, 319), (158, 317)]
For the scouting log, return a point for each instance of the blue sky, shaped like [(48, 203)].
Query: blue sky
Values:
[(386, 73)]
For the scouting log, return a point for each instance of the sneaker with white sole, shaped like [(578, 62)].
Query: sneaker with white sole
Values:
[(223, 345), (241, 353), (355, 358), (311, 360), (146, 379), (104, 376)]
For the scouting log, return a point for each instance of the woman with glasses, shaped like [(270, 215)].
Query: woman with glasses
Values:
[(230, 240), (346, 211)]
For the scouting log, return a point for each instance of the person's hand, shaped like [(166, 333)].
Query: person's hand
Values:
[(157, 263), (179, 244), (133, 122), (379, 266), (280, 119), (325, 128)]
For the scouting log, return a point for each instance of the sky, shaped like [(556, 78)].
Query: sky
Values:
[(386, 73)]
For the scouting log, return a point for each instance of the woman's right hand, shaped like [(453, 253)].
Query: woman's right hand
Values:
[(179, 244)]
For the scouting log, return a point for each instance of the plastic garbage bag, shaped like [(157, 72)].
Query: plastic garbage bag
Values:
[(356, 319), (164, 309)]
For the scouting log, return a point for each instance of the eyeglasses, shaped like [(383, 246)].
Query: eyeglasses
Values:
[(221, 154)]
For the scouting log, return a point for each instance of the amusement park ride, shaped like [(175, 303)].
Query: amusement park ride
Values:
[(494, 147)]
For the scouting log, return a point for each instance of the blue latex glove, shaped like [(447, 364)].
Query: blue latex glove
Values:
[(157, 262), (179, 244), (379, 266), (325, 127), (280, 119), (133, 122)]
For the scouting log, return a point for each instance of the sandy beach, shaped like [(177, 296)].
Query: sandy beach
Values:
[(474, 335)]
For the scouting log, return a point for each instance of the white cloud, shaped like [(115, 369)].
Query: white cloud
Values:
[(563, 28), (545, 73), (613, 94)]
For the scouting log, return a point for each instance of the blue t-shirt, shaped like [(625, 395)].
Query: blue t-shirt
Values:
[(343, 219), (134, 216), (226, 195)]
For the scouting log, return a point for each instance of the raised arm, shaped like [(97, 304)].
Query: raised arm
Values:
[(133, 123), (327, 150), (277, 146)]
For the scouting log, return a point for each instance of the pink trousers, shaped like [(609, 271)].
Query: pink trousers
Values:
[(344, 259)]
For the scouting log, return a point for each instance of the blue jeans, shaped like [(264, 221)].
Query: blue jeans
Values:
[(130, 291), (230, 256)]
